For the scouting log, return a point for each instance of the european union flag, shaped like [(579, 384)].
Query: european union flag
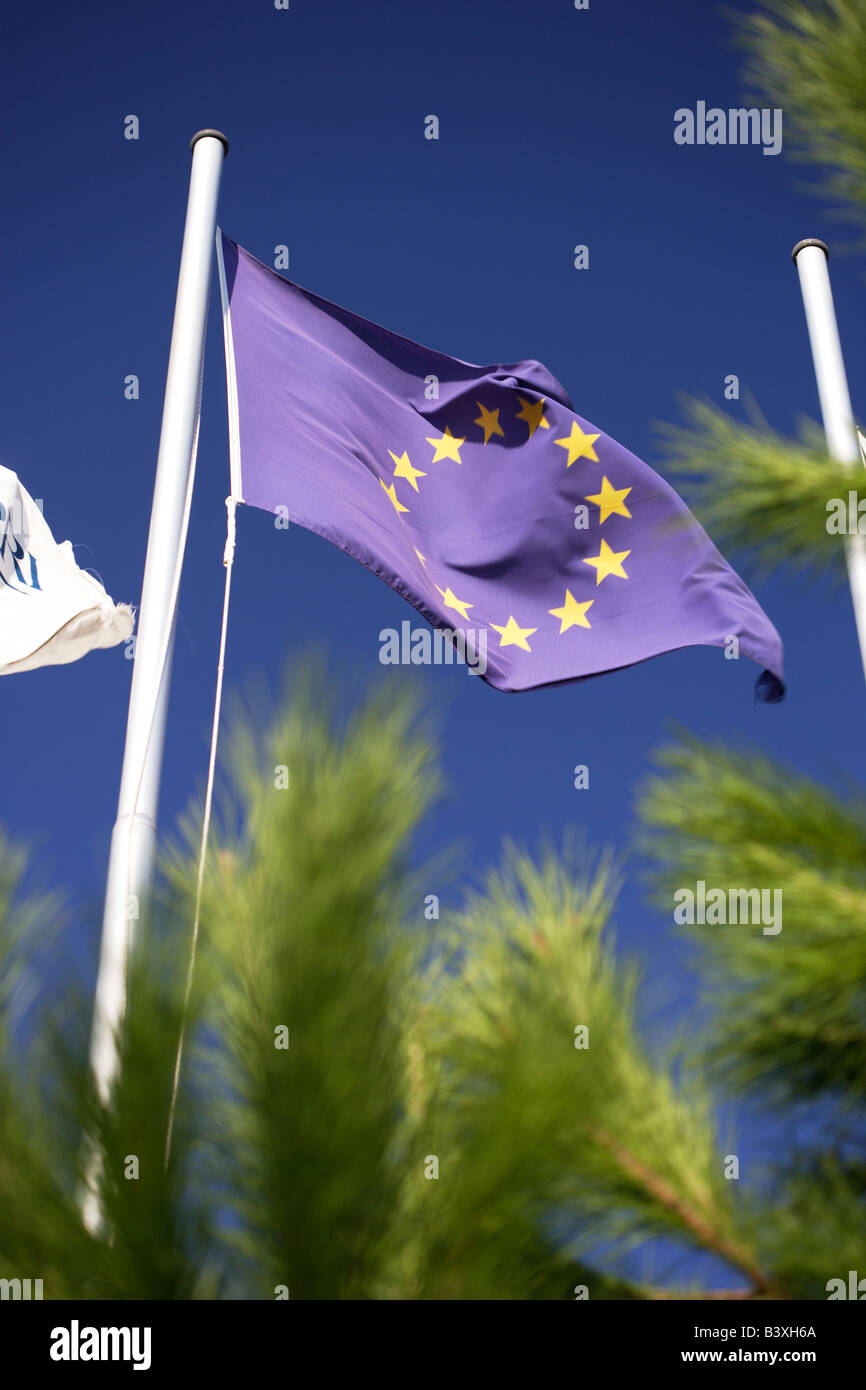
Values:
[(478, 493)]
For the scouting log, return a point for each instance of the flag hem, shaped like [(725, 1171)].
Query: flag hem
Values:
[(235, 474)]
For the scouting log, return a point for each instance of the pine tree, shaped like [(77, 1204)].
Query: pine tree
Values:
[(379, 1104), (759, 491)]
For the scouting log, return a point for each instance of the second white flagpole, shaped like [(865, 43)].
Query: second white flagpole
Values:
[(133, 840), (810, 257)]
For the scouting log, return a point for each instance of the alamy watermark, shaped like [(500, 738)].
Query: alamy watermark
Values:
[(854, 1288), (736, 126), (77, 1343), (718, 907), (846, 519), (23, 1289), (441, 646)]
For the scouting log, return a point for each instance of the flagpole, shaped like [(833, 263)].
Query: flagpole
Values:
[(810, 257), (133, 839)]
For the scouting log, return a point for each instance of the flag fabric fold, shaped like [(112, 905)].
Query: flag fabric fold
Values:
[(51, 612), (477, 493)]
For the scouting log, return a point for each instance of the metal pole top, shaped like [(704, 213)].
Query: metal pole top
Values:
[(218, 135), (801, 245)]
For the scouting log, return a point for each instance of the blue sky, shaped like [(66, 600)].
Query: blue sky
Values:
[(556, 128)]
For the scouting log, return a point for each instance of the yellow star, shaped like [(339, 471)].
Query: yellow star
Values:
[(489, 422), (607, 562), (420, 556), (458, 604), (533, 414), (578, 444), (447, 447), (392, 493), (405, 470), (610, 500), (511, 635), (572, 613)]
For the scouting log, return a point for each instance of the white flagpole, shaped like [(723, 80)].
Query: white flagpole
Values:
[(810, 257), (133, 840)]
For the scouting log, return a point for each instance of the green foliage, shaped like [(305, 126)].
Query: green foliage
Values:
[(302, 914), (758, 492), (39, 1234), (439, 1125), (789, 1010), (46, 1106), (159, 1219), (808, 57), (813, 1231), (530, 1127)]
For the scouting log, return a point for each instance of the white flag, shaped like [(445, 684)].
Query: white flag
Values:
[(50, 610)]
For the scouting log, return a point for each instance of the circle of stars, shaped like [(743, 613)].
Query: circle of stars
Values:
[(577, 445)]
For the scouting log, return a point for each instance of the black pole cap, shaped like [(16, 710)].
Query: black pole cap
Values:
[(216, 134), (810, 241)]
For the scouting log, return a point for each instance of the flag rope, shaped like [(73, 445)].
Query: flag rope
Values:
[(228, 562)]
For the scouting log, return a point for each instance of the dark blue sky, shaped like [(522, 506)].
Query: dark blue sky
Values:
[(556, 128)]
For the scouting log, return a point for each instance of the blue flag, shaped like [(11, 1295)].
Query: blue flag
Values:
[(478, 493)]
